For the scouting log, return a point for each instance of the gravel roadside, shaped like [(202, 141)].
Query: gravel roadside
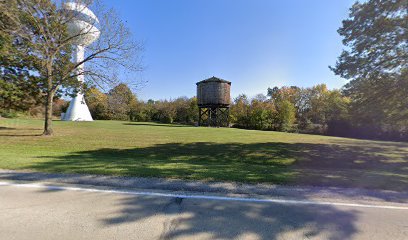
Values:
[(213, 188)]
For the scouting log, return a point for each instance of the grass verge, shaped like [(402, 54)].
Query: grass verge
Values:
[(184, 152)]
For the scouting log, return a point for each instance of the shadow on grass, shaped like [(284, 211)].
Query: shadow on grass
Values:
[(157, 124), (372, 165), (7, 128), (337, 165), (16, 132), (20, 135), (19, 129), (209, 161)]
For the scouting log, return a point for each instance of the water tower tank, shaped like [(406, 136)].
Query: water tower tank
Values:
[(213, 92), (82, 23)]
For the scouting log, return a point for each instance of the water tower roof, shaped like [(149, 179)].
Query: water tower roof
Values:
[(214, 79)]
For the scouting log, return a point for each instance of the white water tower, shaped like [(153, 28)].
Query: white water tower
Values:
[(83, 24)]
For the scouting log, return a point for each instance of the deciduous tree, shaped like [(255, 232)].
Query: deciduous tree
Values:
[(376, 62), (121, 100), (44, 27)]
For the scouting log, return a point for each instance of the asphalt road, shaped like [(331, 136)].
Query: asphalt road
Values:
[(63, 213)]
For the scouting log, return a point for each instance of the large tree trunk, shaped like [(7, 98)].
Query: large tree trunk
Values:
[(48, 114)]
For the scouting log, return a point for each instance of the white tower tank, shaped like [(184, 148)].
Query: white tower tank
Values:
[(83, 24)]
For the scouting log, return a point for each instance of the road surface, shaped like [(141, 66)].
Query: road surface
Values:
[(34, 212)]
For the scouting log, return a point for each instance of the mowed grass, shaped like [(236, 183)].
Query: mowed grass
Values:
[(220, 154)]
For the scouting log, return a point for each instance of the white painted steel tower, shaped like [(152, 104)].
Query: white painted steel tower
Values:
[(84, 25)]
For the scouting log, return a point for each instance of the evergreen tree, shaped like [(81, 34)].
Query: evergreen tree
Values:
[(19, 88)]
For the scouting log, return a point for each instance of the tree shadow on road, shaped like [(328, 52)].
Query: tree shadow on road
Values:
[(185, 218), (210, 219)]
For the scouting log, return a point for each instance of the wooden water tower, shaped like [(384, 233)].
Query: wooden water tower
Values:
[(213, 97)]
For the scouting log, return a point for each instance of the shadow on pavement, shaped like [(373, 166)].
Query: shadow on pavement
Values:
[(191, 219)]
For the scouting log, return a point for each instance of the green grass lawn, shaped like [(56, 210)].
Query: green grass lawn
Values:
[(177, 151)]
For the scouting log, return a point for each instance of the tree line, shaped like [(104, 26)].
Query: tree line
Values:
[(120, 103), (291, 109), (314, 110)]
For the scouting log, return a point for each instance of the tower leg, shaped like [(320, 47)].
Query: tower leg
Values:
[(78, 110), (199, 116)]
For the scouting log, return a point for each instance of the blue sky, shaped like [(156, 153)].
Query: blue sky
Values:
[(255, 44)]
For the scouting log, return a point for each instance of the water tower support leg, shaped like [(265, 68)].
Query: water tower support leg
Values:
[(203, 116), (199, 116)]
